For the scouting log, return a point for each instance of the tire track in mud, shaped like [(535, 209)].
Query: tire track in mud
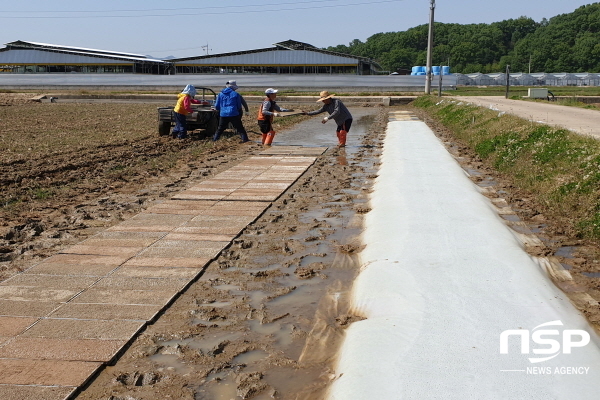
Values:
[(266, 318)]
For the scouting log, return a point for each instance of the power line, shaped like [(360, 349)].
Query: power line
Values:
[(171, 9), (205, 13)]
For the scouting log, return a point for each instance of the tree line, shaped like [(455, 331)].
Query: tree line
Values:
[(564, 43)]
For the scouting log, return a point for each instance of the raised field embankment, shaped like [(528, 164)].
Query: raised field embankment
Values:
[(559, 169)]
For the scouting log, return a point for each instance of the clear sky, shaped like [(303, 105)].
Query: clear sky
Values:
[(180, 28)]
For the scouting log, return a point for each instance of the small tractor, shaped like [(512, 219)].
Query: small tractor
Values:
[(203, 117)]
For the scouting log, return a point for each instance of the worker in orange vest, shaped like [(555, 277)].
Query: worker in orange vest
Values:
[(266, 112)]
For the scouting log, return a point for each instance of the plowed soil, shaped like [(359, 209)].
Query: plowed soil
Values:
[(69, 170)]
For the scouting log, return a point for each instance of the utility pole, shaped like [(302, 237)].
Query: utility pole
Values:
[(429, 48), (507, 80)]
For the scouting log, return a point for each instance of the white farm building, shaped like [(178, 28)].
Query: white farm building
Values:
[(289, 57), (33, 57)]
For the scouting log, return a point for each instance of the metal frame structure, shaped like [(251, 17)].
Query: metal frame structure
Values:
[(21, 56), (533, 79), (288, 57)]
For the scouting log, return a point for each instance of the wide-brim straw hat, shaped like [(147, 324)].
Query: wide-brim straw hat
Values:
[(325, 95)]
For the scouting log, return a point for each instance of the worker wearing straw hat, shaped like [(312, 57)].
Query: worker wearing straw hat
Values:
[(338, 112)]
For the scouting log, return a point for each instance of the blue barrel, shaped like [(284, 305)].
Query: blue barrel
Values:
[(445, 70), (421, 73), (423, 70), (435, 70)]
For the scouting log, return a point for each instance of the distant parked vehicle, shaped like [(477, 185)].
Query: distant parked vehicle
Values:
[(203, 117)]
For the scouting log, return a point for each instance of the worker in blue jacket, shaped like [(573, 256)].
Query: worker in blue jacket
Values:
[(229, 106)]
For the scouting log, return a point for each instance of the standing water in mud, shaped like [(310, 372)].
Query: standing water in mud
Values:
[(267, 316)]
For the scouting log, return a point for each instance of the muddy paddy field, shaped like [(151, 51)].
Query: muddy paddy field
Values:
[(265, 318)]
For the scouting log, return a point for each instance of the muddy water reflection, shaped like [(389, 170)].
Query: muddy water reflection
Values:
[(314, 133), (250, 357)]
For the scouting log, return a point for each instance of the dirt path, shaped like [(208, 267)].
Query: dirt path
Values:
[(577, 119)]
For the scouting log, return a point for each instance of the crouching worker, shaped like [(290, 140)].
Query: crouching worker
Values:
[(229, 106), (183, 107), (266, 112), (338, 112)]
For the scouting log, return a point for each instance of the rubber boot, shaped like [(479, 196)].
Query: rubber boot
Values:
[(342, 138), (270, 137), (264, 138)]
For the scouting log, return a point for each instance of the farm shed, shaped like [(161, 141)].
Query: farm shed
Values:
[(462, 79), (587, 79), (23, 57), (524, 79), (566, 79), (289, 57), (480, 79)]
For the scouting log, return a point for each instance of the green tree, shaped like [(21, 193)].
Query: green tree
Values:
[(564, 43), (398, 58)]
